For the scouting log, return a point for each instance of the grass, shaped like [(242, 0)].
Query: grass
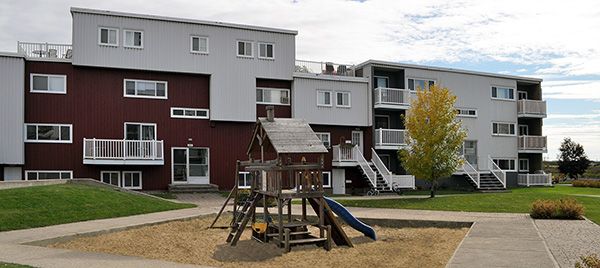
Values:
[(39, 206), (518, 200), (13, 265)]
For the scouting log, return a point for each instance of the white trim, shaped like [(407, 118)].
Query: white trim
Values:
[(349, 99), (380, 76), (187, 163), (519, 167), (519, 130), (274, 103), (136, 81), (329, 175), (514, 98), (141, 124), (419, 78), (330, 98), (522, 91), (328, 138), (199, 51), (272, 49), (237, 51), (111, 172), (108, 36), (37, 140), (459, 114), (125, 31), (503, 134), (196, 110), (509, 159), (49, 171), (131, 187), (246, 173), (32, 90)]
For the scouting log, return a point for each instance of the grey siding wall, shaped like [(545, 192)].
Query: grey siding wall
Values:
[(12, 110), (304, 98), (166, 47)]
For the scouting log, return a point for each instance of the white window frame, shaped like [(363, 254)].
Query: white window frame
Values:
[(320, 135), (387, 80), (502, 99), (420, 78), (508, 159), (274, 103), (136, 81), (131, 187), (187, 162), (125, 31), (266, 44), (237, 51), (111, 172), (246, 173), (37, 140), (526, 130), (527, 161), (319, 91), (199, 51), (195, 110), (140, 124), (108, 29), (48, 171), (329, 174), (519, 92), (502, 134), (459, 112), (32, 90), (349, 99)]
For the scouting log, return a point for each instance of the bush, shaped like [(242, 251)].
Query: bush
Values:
[(587, 183), (564, 208), (558, 178), (591, 261)]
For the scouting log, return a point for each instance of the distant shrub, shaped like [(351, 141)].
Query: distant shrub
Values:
[(587, 183), (564, 208), (558, 178), (591, 261)]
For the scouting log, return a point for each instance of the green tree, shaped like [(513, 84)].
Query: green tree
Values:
[(433, 136), (572, 159)]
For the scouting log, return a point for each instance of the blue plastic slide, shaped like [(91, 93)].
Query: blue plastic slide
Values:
[(345, 215)]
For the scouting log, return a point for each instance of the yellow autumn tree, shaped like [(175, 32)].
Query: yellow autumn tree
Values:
[(433, 135)]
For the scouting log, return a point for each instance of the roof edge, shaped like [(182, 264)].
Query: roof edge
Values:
[(11, 54), (331, 77)]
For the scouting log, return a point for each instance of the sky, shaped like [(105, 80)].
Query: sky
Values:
[(558, 41)]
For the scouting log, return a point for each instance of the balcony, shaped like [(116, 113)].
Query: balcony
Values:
[(389, 139), (343, 156), (392, 98), (122, 152), (531, 108), (45, 51), (535, 180), (328, 68), (532, 144)]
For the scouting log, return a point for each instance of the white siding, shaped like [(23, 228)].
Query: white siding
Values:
[(304, 100), (12, 110), (167, 48)]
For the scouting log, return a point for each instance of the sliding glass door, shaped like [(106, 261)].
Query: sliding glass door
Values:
[(190, 165)]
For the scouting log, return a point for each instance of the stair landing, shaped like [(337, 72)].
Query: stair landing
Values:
[(193, 188)]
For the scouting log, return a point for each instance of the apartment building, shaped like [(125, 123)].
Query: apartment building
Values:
[(149, 102)]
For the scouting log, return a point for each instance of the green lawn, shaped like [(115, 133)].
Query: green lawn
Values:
[(518, 200), (38, 206)]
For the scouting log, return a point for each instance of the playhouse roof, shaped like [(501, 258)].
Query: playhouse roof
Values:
[(289, 135)]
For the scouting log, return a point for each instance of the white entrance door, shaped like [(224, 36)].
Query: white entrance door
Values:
[(190, 165), (357, 139)]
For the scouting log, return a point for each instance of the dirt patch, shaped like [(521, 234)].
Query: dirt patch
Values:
[(191, 242)]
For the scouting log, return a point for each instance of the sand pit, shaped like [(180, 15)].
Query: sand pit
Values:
[(191, 242)]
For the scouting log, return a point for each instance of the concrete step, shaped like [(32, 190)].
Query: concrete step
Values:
[(193, 188)]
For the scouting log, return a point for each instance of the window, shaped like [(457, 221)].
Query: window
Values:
[(111, 177), (505, 164), (140, 131), (48, 83), (245, 180), (381, 81), (469, 151), (108, 36), (133, 39), (190, 165), (466, 112), (265, 51), (273, 96), (145, 89), (522, 95), (244, 49), (503, 93), (382, 121), (48, 174), (342, 99), (414, 83), (199, 44), (523, 130), (48, 133), (507, 129), (327, 179), (191, 113), (524, 165), (325, 137), (132, 180), (324, 98)]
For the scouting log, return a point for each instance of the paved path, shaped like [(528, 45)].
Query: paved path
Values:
[(568, 240)]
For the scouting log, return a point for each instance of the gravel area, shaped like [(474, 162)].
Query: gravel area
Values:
[(570, 239)]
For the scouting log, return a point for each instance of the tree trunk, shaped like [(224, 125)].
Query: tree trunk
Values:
[(432, 189)]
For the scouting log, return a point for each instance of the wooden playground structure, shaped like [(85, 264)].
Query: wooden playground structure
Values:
[(285, 162)]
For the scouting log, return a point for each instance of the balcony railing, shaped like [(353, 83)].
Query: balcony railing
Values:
[(343, 154), (531, 108), (389, 138), (329, 68), (105, 151), (392, 97), (533, 143), (45, 50), (535, 179)]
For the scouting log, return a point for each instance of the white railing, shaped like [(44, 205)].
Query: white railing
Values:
[(319, 67), (400, 181), (394, 96), (532, 142), (390, 137), (105, 149), (497, 171), (535, 179), (364, 165), (45, 50), (471, 172), (531, 107), (343, 154)]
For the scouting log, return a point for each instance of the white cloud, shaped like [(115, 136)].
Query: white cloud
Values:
[(587, 135), (572, 89)]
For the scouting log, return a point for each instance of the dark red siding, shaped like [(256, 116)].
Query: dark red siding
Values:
[(281, 111)]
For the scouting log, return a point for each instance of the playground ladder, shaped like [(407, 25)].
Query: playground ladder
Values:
[(241, 218)]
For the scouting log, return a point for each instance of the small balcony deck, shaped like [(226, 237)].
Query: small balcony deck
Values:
[(533, 144), (392, 98), (531, 108), (327, 68), (122, 152), (535, 180), (389, 139), (45, 51)]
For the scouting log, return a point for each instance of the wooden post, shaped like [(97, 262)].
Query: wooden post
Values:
[(280, 218), (303, 209), (235, 189)]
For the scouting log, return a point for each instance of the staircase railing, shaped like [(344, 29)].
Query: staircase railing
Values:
[(497, 171), (471, 172), (385, 173), (364, 165)]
